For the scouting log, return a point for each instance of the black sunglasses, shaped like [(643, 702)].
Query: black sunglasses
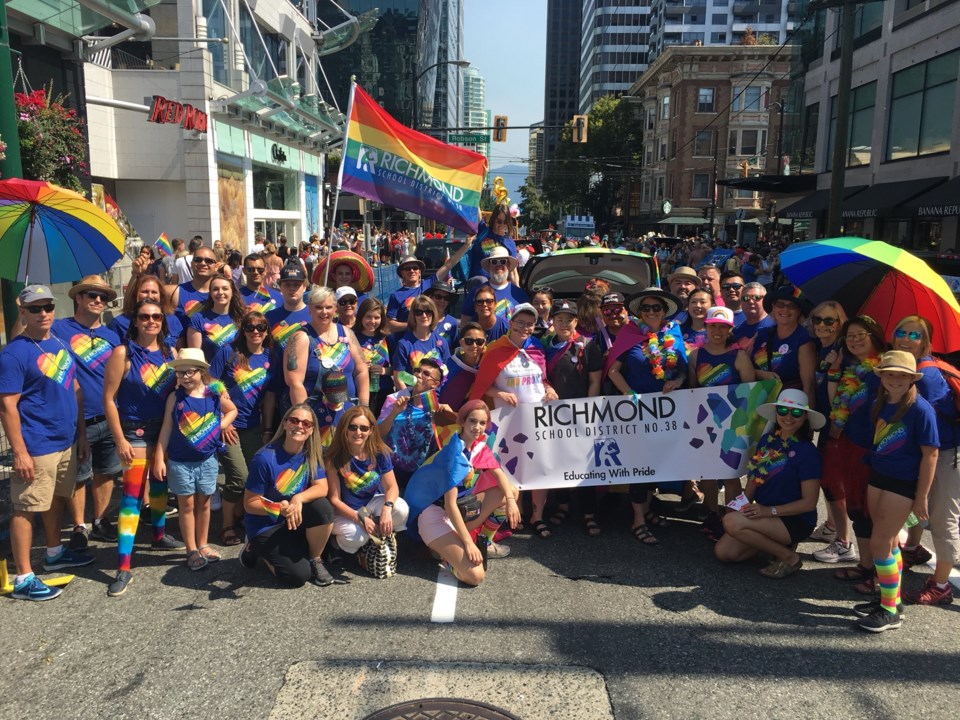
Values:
[(250, 270), (93, 295), (796, 412), (346, 301), (474, 341), (829, 322), (255, 327), (732, 286), (205, 260), (353, 427), (37, 309), (651, 308)]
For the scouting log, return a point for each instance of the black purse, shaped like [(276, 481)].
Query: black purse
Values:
[(469, 507)]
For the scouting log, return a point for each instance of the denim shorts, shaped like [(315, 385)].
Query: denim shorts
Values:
[(142, 433), (103, 458), (193, 478)]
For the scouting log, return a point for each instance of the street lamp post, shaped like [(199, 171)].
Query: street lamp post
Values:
[(416, 80)]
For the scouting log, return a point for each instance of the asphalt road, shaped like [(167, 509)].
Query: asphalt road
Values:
[(570, 627)]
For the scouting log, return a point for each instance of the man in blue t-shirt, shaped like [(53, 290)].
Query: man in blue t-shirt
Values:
[(255, 295), (91, 345), (41, 410), (412, 284), (755, 318), (500, 267)]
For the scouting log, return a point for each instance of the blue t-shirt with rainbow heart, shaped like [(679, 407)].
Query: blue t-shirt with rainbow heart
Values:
[(896, 445), (196, 426), (91, 348), (276, 475), (42, 373)]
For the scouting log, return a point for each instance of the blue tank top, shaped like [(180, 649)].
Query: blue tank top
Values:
[(322, 358), (143, 390), (714, 370)]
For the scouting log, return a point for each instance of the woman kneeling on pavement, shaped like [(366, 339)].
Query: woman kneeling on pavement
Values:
[(363, 490), (779, 505), (442, 525), (288, 516)]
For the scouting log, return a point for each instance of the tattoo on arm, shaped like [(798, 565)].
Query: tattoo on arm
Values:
[(291, 360)]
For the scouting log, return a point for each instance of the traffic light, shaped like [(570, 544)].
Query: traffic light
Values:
[(499, 128), (745, 168), (580, 123)]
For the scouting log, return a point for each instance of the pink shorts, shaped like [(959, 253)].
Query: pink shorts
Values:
[(433, 524)]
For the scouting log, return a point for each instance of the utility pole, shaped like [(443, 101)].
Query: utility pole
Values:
[(841, 132), (713, 190)]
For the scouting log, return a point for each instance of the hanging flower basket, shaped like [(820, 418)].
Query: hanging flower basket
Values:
[(52, 143), (3, 149)]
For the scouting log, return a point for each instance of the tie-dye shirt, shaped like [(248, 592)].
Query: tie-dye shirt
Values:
[(91, 348), (896, 445), (411, 435), (43, 378), (196, 426), (276, 475), (360, 480), (246, 387)]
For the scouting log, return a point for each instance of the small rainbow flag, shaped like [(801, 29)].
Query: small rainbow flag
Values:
[(430, 400), (163, 245), (656, 271), (272, 508), (389, 163)]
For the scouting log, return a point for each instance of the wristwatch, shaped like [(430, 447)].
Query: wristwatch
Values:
[(773, 511), (388, 504)]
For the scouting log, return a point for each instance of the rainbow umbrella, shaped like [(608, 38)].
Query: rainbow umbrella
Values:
[(873, 278), (51, 235)]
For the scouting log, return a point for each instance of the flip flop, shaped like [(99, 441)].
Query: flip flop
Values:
[(229, 536), (211, 555), (196, 561), (559, 517)]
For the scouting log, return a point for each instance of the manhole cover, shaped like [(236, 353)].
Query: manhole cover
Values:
[(441, 709)]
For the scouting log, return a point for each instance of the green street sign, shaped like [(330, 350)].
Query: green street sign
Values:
[(470, 138)]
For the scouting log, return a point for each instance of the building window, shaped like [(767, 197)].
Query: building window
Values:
[(701, 186), (665, 108), (808, 144), (663, 149), (748, 142), (651, 117), (648, 155), (920, 102), (703, 144), (718, 38), (732, 143), (747, 99), (719, 19), (705, 100), (860, 146), (659, 188)]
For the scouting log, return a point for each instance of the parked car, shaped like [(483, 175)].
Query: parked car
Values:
[(566, 272)]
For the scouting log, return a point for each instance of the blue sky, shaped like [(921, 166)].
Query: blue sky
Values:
[(506, 41)]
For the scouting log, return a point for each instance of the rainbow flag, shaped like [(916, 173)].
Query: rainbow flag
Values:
[(656, 271), (389, 163), (272, 508), (430, 400), (163, 245)]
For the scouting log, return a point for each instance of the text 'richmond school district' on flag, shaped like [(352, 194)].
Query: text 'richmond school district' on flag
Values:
[(389, 163)]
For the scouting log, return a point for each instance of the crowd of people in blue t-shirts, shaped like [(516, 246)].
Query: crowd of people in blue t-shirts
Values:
[(315, 414)]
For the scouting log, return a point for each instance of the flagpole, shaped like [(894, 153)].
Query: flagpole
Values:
[(336, 196)]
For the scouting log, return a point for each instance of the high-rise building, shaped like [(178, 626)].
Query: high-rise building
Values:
[(614, 47), (717, 22), (561, 88), (446, 80), (475, 112)]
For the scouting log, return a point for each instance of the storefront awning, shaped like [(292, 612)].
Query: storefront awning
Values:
[(72, 18), (681, 220), (941, 201), (885, 199), (815, 204), (790, 184)]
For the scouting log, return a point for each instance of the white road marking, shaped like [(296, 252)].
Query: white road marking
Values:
[(445, 600)]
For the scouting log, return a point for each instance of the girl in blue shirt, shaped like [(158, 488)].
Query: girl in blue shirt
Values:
[(216, 325)]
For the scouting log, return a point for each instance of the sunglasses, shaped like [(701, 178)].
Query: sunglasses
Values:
[(498, 262), (92, 295), (785, 305), (542, 289), (251, 270), (255, 327), (651, 308), (37, 309), (353, 427), (752, 298), (795, 412), (188, 372), (205, 260), (407, 268), (439, 297), (484, 301), (347, 301), (829, 322), (474, 341), (732, 286), (420, 312), (305, 424), (914, 335), (612, 311), (147, 317)]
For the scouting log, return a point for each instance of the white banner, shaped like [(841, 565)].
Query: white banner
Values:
[(706, 433)]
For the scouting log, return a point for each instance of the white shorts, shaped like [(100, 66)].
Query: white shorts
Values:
[(434, 523)]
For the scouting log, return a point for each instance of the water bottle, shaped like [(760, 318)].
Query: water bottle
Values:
[(911, 521)]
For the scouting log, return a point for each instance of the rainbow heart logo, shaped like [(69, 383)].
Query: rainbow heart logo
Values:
[(58, 368), (92, 351)]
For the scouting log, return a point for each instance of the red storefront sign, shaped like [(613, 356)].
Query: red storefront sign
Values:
[(170, 111)]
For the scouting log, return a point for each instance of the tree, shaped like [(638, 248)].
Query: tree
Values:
[(748, 37), (535, 213), (767, 39)]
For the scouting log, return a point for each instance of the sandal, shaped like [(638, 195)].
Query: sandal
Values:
[(211, 555), (196, 561), (559, 517), (643, 534), (778, 569), (857, 573), (591, 526), (229, 536), (869, 585), (540, 529), (652, 518)]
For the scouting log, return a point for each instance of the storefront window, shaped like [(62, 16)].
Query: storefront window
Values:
[(274, 189), (918, 124)]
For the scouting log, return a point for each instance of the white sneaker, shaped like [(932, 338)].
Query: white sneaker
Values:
[(836, 552), (497, 550), (824, 533)]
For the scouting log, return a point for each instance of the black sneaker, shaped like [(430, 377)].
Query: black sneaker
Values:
[(247, 557), (104, 531), (319, 575), (881, 620), (66, 559), (865, 609), (119, 586), (167, 542), (79, 538)]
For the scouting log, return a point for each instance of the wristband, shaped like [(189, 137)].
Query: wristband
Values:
[(388, 504)]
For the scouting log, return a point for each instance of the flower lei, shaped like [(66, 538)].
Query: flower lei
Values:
[(769, 452), (660, 353), (850, 383)]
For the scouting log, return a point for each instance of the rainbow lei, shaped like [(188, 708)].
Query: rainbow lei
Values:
[(771, 450), (660, 353), (850, 382)]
